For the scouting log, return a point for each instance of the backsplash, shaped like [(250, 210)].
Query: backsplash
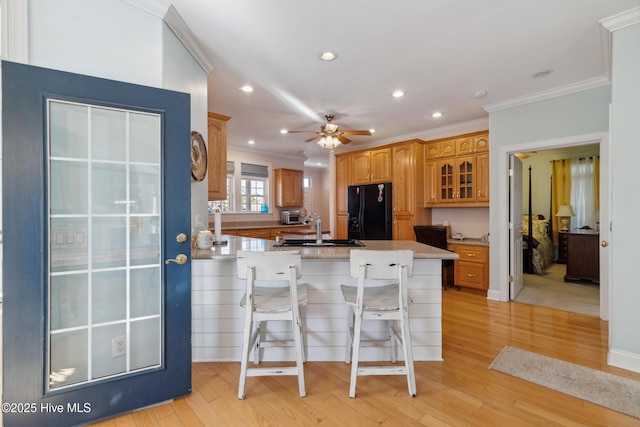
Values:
[(470, 222)]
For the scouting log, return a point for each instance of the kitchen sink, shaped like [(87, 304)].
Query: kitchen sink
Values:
[(325, 242)]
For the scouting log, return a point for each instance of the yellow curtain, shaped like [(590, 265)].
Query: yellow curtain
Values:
[(561, 192), (596, 182)]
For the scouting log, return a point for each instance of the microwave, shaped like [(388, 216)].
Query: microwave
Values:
[(291, 217)]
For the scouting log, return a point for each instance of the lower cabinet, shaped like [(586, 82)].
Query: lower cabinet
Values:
[(471, 270)]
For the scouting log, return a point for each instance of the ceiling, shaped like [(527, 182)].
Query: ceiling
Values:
[(440, 53)]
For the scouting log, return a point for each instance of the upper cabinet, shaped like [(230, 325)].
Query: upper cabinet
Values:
[(472, 145), (217, 156), (288, 184), (461, 180), (440, 149), (371, 166)]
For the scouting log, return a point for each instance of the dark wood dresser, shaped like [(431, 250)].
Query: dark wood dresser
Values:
[(583, 255)]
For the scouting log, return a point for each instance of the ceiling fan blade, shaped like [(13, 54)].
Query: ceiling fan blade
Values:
[(356, 132), (301, 131), (315, 138), (343, 139)]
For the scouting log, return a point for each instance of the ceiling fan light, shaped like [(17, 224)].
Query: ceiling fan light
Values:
[(328, 142)]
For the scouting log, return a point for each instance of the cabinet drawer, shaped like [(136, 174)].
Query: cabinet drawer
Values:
[(470, 274), (470, 253), (281, 231), (257, 233)]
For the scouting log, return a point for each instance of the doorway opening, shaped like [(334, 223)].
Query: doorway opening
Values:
[(550, 147)]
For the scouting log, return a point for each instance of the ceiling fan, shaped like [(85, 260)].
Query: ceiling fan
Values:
[(330, 135)]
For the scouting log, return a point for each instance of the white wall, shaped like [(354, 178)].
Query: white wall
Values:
[(113, 39), (625, 204), (471, 222)]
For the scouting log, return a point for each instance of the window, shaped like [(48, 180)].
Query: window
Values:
[(247, 189), (306, 182)]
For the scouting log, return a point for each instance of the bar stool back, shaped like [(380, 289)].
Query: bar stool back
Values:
[(388, 302), (271, 302)]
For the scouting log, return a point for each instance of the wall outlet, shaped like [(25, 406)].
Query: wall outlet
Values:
[(119, 346)]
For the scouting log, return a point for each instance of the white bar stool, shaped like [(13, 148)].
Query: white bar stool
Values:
[(388, 302), (271, 302)]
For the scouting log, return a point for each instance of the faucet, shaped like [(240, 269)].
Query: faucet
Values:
[(318, 223)]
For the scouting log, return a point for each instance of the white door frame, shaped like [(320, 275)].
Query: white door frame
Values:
[(502, 233)]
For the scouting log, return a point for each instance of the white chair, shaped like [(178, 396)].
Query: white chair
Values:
[(271, 301), (387, 302)]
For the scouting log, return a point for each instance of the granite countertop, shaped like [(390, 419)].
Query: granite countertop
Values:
[(236, 243), (472, 241), (270, 224)]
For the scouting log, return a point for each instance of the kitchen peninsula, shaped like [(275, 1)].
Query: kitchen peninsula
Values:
[(218, 318)]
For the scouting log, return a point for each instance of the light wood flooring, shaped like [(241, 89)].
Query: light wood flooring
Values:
[(460, 391)]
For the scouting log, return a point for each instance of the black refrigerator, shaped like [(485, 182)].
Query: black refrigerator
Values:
[(370, 212)]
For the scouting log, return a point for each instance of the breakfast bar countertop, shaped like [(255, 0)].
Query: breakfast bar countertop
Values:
[(235, 243)]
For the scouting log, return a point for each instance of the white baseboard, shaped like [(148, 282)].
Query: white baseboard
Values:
[(624, 359), (493, 295)]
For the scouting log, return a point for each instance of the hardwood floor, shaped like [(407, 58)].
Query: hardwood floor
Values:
[(461, 390)]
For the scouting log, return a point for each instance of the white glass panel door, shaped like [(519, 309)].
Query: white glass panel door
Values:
[(104, 270)]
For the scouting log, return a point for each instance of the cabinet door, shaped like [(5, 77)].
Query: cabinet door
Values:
[(431, 183), (432, 151), (288, 184), (361, 166), (482, 178), (403, 179), (464, 146), (217, 156), (465, 180), (481, 143), (448, 148), (446, 181), (343, 166), (380, 164), (403, 227), (342, 227)]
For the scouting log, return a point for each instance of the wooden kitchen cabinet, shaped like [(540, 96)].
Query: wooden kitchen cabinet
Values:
[(456, 177), (472, 144), (460, 180), (439, 149), (256, 233), (482, 179), (431, 188), (371, 166), (217, 156), (288, 184), (471, 270), (408, 189), (343, 180), (282, 231)]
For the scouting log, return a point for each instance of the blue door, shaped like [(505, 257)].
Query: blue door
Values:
[(97, 283)]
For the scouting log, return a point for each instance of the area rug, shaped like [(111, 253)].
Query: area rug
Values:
[(604, 389)]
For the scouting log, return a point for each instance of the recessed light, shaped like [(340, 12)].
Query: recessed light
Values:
[(246, 88), (372, 130), (284, 131), (544, 73), (480, 94), (251, 142), (398, 94), (328, 56), (436, 114)]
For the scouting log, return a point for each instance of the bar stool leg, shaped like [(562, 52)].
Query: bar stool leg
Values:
[(355, 356)]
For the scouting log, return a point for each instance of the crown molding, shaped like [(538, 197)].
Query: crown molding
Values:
[(15, 30), (426, 135), (621, 20), (174, 21), (548, 94)]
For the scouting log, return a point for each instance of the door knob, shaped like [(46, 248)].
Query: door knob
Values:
[(180, 259), (604, 244)]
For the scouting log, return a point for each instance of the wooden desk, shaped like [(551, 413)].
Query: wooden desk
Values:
[(583, 256)]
